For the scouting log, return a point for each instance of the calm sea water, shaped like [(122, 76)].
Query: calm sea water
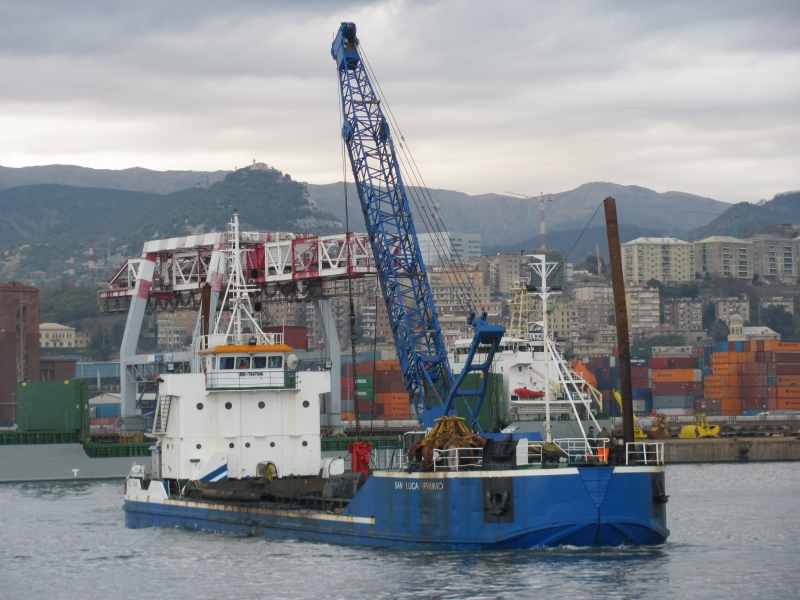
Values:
[(735, 534)]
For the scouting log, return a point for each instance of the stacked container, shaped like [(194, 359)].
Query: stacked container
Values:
[(376, 392), (748, 378)]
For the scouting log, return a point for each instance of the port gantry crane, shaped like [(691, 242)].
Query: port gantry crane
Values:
[(403, 279)]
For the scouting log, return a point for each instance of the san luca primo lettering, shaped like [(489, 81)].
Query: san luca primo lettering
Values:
[(414, 485)]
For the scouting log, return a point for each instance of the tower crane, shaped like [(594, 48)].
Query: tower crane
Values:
[(403, 279), (542, 201)]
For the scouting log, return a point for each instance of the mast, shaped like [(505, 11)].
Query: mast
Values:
[(621, 313), (542, 268)]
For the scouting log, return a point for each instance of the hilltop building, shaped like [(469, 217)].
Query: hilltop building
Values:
[(725, 308), (775, 258), (668, 260), (724, 256)]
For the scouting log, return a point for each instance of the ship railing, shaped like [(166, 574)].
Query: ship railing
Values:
[(457, 459), (529, 453), (241, 379), (644, 453), (162, 414), (389, 459), (583, 449), (213, 340)]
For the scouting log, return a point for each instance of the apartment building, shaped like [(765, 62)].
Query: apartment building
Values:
[(724, 256), (775, 258), (668, 260), (593, 315), (683, 313), (725, 308), (562, 322), (593, 291), (786, 304), (644, 309)]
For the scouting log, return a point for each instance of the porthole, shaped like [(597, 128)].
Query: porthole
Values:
[(305, 443), (272, 444), (198, 446), (247, 445), (261, 404), (230, 445), (199, 406), (306, 404), (228, 405)]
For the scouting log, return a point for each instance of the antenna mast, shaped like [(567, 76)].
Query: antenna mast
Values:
[(542, 200)]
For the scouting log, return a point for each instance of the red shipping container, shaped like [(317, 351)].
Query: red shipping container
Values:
[(772, 368), (754, 404), (760, 356), (784, 357), (731, 346), (754, 392), (785, 369), (754, 380), (364, 406), (683, 362), (639, 383), (640, 372), (659, 363), (772, 392), (759, 345), (772, 403), (754, 368), (674, 389)]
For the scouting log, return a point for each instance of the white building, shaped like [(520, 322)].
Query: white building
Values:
[(666, 260)]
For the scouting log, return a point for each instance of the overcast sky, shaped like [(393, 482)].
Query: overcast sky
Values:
[(700, 97)]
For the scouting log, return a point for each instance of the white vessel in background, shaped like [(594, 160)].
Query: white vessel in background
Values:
[(525, 357)]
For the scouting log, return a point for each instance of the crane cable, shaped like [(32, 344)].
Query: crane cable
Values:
[(421, 195), (352, 311)]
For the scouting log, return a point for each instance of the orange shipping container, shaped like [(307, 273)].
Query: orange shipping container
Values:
[(732, 404), (387, 365), (788, 392), (392, 398), (788, 403), (726, 369), (723, 380), (348, 416), (751, 357), (776, 346), (718, 358), (787, 380), (673, 375)]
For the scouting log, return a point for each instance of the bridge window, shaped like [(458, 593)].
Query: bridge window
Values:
[(259, 362), (242, 362), (226, 362), (275, 362)]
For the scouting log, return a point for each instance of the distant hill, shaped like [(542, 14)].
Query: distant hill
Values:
[(40, 225), (565, 239), (782, 209), (135, 179), (499, 218)]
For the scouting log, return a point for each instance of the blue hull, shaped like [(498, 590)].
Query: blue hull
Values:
[(596, 506)]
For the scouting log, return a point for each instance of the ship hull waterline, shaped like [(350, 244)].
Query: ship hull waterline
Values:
[(583, 507)]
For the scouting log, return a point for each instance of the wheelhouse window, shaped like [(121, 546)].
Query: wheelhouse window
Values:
[(242, 362), (275, 362), (226, 362), (259, 362)]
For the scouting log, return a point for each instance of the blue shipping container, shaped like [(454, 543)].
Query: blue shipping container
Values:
[(107, 411), (721, 347), (739, 347)]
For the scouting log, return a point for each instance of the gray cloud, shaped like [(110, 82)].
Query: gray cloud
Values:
[(691, 96)]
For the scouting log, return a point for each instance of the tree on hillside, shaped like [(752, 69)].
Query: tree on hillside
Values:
[(777, 319), (709, 315), (591, 264), (667, 339), (721, 331)]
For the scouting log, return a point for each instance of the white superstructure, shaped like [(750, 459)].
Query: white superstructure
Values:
[(244, 411)]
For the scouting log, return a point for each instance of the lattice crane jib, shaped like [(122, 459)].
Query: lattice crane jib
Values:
[(404, 283)]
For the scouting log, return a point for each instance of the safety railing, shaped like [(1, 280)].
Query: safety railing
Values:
[(239, 379), (584, 450), (529, 453), (162, 414), (213, 340), (389, 459), (457, 459), (644, 453)]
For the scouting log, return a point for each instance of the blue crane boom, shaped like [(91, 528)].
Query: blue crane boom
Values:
[(401, 271)]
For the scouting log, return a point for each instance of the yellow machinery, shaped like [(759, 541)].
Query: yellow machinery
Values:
[(659, 429), (699, 428), (638, 432)]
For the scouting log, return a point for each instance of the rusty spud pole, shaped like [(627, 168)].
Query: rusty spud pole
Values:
[(621, 314)]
